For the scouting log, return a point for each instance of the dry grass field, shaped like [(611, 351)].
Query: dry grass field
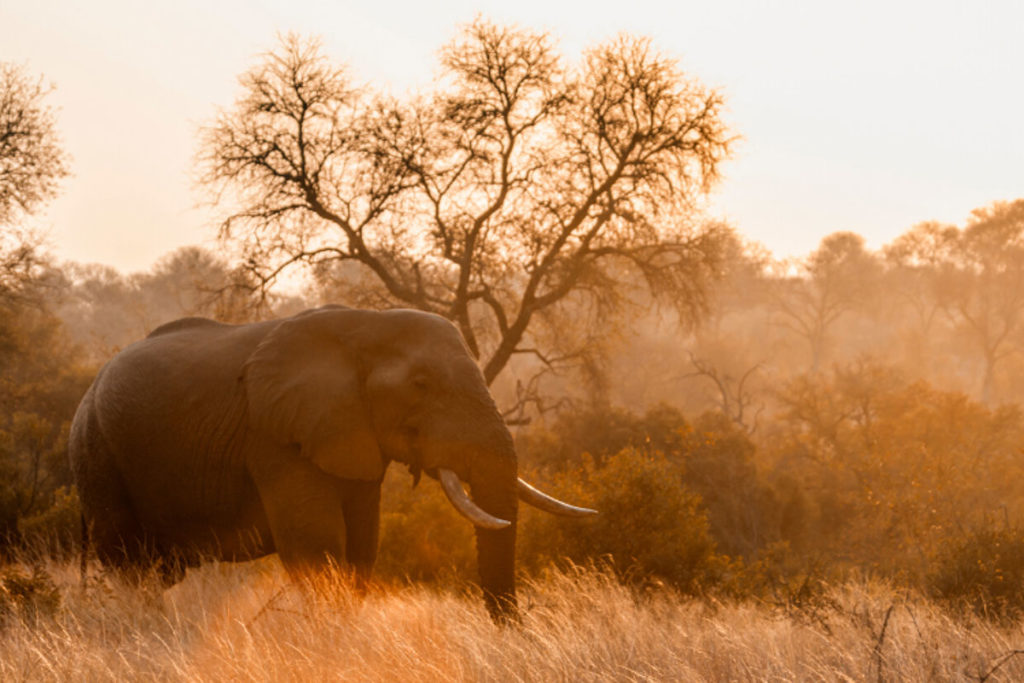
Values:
[(247, 623)]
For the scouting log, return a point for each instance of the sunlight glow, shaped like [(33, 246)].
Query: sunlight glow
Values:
[(868, 117)]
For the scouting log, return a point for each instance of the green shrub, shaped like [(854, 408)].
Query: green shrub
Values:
[(714, 459), (984, 572), (649, 526)]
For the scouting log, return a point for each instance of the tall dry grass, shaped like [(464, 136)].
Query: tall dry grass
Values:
[(246, 623)]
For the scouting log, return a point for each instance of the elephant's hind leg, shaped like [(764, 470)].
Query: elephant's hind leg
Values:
[(120, 541), (123, 546), (114, 531), (117, 537)]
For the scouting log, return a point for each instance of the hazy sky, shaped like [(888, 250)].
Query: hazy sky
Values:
[(865, 116)]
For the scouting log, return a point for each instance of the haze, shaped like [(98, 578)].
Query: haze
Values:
[(802, 468), (867, 117)]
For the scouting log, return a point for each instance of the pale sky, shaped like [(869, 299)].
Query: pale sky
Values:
[(867, 116)]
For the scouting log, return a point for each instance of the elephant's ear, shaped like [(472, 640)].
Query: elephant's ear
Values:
[(303, 387)]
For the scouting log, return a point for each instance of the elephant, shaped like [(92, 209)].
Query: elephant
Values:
[(231, 442)]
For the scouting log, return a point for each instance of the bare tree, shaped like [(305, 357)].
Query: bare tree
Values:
[(517, 187), (984, 284), (836, 278), (735, 397), (32, 163), (31, 158), (974, 276), (918, 268)]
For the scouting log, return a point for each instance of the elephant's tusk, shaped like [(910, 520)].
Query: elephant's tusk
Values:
[(543, 501), (461, 502)]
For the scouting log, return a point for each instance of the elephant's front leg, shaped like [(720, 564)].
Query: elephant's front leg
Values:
[(305, 512), (361, 503)]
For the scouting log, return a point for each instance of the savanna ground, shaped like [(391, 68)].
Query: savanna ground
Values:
[(247, 622)]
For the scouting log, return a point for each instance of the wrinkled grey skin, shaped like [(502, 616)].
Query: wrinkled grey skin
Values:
[(236, 441)]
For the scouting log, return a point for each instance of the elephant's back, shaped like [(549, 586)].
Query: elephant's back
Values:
[(182, 367), (185, 324)]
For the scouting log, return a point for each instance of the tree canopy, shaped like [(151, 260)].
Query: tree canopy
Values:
[(32, 164), (975, 276), (32, 160), (518, 184)]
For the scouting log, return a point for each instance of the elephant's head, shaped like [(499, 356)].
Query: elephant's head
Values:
[(358, 389)]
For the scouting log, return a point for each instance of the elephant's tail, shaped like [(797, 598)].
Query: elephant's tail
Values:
[(84, 559)]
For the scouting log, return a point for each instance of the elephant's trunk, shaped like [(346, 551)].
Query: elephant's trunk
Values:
[(495, 491), (496, 552)]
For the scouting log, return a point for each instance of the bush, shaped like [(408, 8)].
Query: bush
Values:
[(57, 530), (983, 572), (649, 526), (27, 596), (713, 457), (423, 538), (601, 431), (889, 471)]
